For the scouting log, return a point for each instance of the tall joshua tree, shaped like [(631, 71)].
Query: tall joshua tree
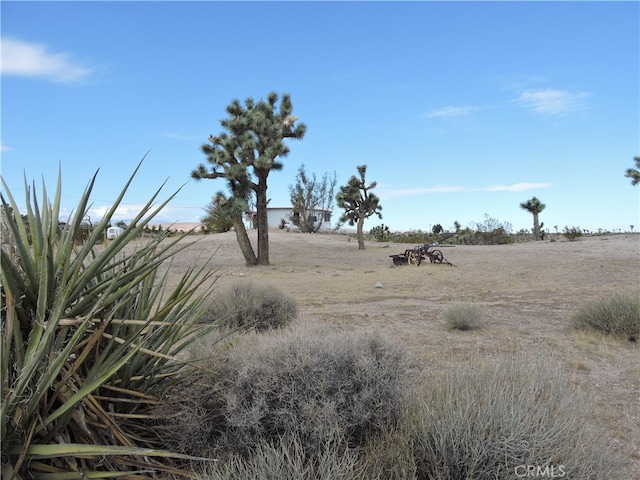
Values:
[(534, 207), (246, 153), (358, 202), (634, 173)]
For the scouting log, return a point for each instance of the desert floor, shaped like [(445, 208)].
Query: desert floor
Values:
[(528, 291)]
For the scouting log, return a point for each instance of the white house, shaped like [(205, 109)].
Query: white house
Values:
[(276, 215)]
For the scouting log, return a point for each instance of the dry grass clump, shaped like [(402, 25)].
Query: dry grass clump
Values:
[(618, 314), (249, 305), (488, 422), (284, 459), (464, 316), (312, 384)]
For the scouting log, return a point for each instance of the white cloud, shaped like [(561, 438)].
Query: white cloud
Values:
[(123, 212), (516, 187), (4, 148), (450, 112), (25, 59), (404, 192), (552, 102), (169, 214)]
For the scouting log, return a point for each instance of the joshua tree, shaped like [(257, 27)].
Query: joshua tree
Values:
[(534, 207), (634, 173), (358, 203), (247, 154)]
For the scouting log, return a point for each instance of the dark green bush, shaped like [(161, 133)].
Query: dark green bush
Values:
[(380, 233), (250, 305), (618, 314)]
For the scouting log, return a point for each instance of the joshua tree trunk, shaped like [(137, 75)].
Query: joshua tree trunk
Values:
[(536, 226), (360, 233), (263, 222), (244, 242)]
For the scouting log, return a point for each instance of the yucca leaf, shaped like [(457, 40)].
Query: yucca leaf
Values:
[(88, 388), (91, 474), (38, 452)]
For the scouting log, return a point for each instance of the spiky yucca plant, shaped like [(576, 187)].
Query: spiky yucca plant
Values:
[(89, 337)]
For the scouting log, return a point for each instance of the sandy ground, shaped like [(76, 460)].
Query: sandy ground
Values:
[(528, 291)]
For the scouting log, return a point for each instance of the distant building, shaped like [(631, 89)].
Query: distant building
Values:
[(113, 232), (275, 216)]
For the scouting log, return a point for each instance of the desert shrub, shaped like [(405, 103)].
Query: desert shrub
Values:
[(316, 385), (618, 314), (284, 459), (464, 316), (412, 236), (380, 233), (572, 233), (250, 305), (484, 422)]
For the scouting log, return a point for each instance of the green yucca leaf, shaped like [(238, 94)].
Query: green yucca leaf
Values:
[(84, 474), (36, 451), (88, 388)]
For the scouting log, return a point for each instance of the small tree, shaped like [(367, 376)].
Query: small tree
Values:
[(311, 199), (358, 203), (219, 214), (534, 207), (634, 173)]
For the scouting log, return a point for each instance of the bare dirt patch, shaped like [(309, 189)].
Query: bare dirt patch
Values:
[(528, 291)]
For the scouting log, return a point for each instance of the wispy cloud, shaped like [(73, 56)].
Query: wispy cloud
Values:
[(450, 112), (386, 193), (128, 211), (404, 192), (552, 102), (20, 58), (516, 187), (4, 148)]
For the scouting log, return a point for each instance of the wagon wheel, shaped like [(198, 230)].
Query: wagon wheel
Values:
[(413, 258), (436, 256)]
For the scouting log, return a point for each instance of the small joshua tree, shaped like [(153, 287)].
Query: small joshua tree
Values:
[(534, 206), (358, 203)]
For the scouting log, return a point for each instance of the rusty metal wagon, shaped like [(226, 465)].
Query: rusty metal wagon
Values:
[(416, 255)]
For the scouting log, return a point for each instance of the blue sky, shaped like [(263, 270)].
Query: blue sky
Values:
[(459, 109)]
